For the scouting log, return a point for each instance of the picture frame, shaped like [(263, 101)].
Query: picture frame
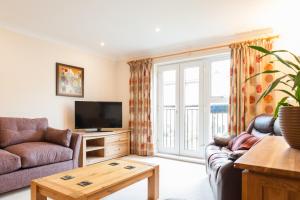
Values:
[(69, 80)]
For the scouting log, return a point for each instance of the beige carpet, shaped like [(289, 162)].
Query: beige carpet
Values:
[(178, 181)]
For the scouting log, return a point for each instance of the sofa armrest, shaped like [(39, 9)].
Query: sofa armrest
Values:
[(229, 182), (75, 146)]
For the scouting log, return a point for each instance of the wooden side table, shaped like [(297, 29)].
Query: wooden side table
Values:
[(271, 171)]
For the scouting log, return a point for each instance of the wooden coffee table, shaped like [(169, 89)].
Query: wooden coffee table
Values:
[(96, 181)]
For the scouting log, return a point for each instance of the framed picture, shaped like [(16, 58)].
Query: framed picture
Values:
[(69, 80)]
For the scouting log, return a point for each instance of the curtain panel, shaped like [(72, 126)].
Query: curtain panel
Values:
[(140, 107), (246, 62)]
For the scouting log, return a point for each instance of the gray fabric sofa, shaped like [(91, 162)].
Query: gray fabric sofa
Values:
[(25, 153)]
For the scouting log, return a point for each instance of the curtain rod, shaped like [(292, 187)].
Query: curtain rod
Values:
[(212, 47)]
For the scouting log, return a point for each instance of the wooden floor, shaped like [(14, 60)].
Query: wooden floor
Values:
[(178, 180)]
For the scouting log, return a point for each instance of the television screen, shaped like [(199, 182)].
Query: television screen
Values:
[(90, 115)]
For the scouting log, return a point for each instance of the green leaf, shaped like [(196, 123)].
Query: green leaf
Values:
[(297, 94), (285, 51), (296, 81), (293, 64), (264, 72), (271, 88), (286, 84), (282, 102), (290, 94), (285, 62), (261, 49)]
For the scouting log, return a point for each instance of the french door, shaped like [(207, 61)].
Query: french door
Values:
[(184, 102)]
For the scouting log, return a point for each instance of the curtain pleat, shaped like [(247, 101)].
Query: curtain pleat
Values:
[(246, 62), (140, 107)]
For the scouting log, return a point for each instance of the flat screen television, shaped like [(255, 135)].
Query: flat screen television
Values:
[(98, 115)]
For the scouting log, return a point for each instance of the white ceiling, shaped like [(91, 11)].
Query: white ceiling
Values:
[(128, 26)]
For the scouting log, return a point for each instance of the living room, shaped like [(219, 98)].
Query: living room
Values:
[(149, 99)]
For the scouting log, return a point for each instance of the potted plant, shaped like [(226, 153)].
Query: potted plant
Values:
[(288, 82)]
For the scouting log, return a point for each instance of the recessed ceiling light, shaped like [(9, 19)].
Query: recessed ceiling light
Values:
[(102, 44), (157, 29)]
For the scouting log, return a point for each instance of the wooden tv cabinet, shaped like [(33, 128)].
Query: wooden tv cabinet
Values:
[(100, 146)]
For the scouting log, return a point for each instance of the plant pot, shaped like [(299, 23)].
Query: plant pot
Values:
[(289, 120)]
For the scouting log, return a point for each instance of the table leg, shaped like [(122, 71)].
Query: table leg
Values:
[(35, 194), (153, 184)]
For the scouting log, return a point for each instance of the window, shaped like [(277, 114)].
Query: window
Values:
[(219, 97), (192, 104)]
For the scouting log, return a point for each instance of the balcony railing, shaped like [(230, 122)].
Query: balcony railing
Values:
[(191, 128), (218, 125), (219, 119), (169, 127)]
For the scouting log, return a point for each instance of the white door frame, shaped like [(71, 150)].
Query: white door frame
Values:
[(204, 103), (183, 66), (160, 117)]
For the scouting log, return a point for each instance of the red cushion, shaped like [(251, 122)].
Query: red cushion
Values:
[(243, 142)]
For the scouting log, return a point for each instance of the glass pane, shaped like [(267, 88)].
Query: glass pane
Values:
[(169, 108), (191, 91), (218, 119), (220, 78), (191, 86), (169, 95), (191, 74), (169, 77), (191, 106)]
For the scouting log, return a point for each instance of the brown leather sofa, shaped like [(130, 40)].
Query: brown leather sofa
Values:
[(225, 180), (29, 149)]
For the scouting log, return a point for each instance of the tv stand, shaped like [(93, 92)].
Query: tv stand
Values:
[(100, 146), (98, 130)]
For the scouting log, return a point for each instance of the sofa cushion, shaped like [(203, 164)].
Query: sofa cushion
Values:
[(40, 153), (243, 141), (9, 162), (60, 137), (20, 130)]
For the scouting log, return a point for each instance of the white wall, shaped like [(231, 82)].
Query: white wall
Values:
[(123, 75), (27, 78)]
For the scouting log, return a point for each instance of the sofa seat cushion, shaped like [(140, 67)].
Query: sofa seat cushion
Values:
[(40, 153), (9, 162)]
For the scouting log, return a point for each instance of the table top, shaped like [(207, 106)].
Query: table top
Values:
[(272, 155), (99, 177)]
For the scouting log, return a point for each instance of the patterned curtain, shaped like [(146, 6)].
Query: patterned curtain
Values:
[(140, 107), (245, 62)]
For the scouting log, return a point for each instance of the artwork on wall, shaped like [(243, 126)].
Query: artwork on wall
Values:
[(69, 80)]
